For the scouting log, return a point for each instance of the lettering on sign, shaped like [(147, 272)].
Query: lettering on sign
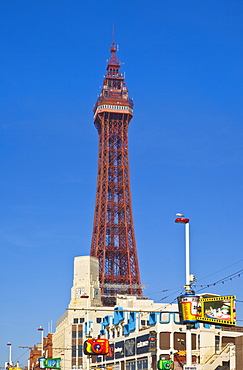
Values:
[(142, 344), (118, 349)]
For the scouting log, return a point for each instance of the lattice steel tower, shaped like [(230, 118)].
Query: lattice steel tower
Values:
[(113, 239)]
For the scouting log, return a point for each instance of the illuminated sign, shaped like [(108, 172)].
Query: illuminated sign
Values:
[(49, 363), (96, 347), (119, 349), (142, 344), (152, 341), (110, 355), (165, 364), (217, 310), (188, 304), (53, 363)]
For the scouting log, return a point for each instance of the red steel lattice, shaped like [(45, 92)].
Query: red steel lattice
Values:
[(113, 238)]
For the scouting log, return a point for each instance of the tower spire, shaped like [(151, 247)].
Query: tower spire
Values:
[(113, 33), (113, 238)]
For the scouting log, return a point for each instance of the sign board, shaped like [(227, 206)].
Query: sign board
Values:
[(165, 364), (188, 304), (130, 347), (49, 363), (119, 349), (189, 367), (142, 344), (217, 310), (53, 363), (96, 346)]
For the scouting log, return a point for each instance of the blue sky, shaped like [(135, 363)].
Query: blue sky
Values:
[(183, 66)]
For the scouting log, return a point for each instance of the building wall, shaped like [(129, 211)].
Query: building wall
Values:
[(129, 328), (239, 352), (36, 351)]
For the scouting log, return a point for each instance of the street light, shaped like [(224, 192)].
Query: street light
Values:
[(10, 353), (182, 220), (42, 340)]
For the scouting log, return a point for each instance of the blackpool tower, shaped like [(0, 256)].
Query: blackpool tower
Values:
[(113, 238)]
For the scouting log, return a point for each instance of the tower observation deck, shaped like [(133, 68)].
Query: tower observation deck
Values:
[(113, 238)]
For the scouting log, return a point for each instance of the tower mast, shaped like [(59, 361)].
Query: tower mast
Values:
[(113, 238)]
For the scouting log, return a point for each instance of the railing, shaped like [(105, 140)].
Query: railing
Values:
[(110, 95), (216, 355)]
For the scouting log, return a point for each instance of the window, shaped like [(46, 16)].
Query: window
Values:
[(80, 333), (81, 320), (143, 322), (131, 365), (142, 364), (73, 351), (98, 319), (217, 343), (80, 352), (75, 321), (74, 334)]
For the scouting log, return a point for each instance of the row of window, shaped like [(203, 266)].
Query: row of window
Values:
[(77, 321), (141, 365), (80, 334), (77, 351), (117, 107), (81, 320), (99, 320)]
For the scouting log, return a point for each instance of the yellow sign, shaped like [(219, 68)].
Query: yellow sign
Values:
[(189, 307), (217, 310)]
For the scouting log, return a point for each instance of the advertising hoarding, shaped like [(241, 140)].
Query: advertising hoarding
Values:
[(130, 347), (96, 346), (119, 349), (188, 304), (53, 363), (165, 364), (217, 310), (152, 341), (142, 344)]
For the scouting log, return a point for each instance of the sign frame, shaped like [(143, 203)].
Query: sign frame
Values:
[(217, 310)]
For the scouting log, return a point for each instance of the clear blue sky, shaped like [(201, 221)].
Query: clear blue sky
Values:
[(183, 65)]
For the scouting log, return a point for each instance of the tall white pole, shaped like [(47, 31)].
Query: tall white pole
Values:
[(187, 242), (42, 340), (181, 219), (42, 343), (188, 290), (188, 346), (10, 353)]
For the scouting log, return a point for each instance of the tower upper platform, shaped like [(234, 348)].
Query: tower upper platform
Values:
[(114, 94)]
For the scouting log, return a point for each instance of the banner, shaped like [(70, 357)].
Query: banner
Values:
[(217, 310)]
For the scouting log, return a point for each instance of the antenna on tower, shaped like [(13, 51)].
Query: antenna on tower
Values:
[(113, 32)]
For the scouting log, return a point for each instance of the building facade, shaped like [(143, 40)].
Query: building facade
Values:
[(140, 331), (36, 352)]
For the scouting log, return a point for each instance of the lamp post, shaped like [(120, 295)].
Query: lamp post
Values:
[(182, 220), (42, 340), (10, 353)]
